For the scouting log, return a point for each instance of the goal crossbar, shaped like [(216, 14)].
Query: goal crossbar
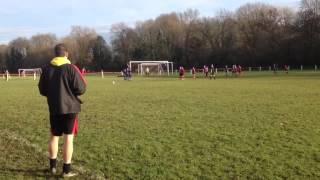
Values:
[(23, 71)]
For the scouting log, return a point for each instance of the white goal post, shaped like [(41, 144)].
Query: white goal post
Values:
[(22, 72), (33, 72), (142, 64)]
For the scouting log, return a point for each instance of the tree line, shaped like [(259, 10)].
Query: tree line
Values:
[(256, 34)]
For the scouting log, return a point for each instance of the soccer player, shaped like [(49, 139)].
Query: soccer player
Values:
[(61, 83), (234, 70), (83, 71), (206, 71), (181, 73), (212, 72), (193, 71), (129, 73), (286, 68), (124, 72), (148, 71), (7, 75), (275, 68), (226, 69), (239, 70)]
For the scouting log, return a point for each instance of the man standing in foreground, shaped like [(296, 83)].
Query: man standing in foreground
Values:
[(62, 83)]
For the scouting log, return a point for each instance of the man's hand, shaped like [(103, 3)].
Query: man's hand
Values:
[(78, 98)]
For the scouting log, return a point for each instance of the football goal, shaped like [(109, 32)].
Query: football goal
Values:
[(29, 72), (155, 67)]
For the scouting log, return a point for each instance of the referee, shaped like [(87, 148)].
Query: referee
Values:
[(61, 83)]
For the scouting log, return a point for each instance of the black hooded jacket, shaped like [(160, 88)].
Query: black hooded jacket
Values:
[(62, 83)]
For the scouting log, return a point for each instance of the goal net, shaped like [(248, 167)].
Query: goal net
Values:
[(29, 72), (151, 67)]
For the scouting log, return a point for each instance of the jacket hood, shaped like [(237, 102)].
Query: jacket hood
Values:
[(59, 61)]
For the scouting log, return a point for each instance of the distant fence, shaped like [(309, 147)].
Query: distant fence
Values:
[(279, 68), (265, 68), (219, 70)]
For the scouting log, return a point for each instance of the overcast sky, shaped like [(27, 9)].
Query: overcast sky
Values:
[(30, 17)]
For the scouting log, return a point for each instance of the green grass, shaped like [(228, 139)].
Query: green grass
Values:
[(258, 126)]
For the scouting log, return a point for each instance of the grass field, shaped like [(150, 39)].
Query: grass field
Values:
[(258, 126)]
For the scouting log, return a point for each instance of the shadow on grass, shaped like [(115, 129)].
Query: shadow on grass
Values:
[(29, 173)]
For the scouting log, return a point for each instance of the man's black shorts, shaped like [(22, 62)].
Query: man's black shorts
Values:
[(64, 124)]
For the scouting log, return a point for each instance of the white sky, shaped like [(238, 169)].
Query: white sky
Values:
[(26, 18)]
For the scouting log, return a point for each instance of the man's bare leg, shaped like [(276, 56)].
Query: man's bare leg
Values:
[(67, 155), (68, 148), (53, 152)]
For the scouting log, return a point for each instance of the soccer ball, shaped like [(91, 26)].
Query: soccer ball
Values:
[(113, 82)]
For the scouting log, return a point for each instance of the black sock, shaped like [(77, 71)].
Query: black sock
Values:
[(53, 163), (66, 168)]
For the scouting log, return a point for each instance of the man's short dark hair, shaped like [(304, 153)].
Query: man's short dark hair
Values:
[(60, 50)]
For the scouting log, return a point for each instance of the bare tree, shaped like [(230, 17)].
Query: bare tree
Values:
[(3, 53), (17, 53), (123, 41), (41, 50), (308, 26), (259, 31), (102, 54), (83, 39), (219, 34)]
